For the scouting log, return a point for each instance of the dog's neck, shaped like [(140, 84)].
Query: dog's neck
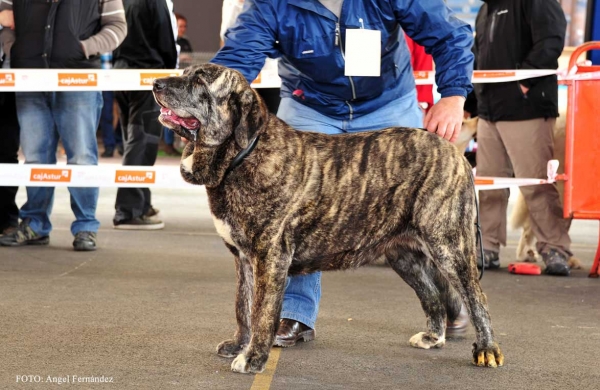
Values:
[(237, 160)]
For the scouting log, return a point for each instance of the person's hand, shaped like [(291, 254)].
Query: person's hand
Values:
[(445, 117), (524, 89), (7, 19)]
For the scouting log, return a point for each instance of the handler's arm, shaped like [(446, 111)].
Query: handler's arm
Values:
[(251, 40)]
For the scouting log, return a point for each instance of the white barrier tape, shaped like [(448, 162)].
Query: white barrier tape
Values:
[(47, 80), (494, 183), (113, 175), (105, 175)]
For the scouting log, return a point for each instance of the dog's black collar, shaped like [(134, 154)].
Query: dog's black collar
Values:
[(237, 160)]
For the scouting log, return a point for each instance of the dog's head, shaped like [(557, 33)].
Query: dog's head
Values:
[(208, 104)]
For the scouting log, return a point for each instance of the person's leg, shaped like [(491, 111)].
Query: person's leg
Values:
[(9, 148), (106, 124), (530, 146), (77, 115), (39, 140), (141, 136), (303, 292), (492, 160)]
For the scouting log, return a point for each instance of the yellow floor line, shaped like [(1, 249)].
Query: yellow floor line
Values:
[(263, 381)]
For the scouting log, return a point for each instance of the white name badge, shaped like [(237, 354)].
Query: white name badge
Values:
[(363, 52)]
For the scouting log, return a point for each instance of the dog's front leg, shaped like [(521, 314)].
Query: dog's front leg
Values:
[(243, 308), (269, 283)]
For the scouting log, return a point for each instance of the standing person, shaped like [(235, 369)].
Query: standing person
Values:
[(61, 34), (182, 40), (9, 129), (516, 121), (150, 44), (321, 91)]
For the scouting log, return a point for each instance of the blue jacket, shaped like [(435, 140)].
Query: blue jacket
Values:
[(308, 39)]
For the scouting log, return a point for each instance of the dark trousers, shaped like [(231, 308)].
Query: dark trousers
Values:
[(141, 135), (9, 148)]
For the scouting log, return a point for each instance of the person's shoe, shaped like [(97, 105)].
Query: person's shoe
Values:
[(8, 230), (458, 328), (291, 331), (23, 235), (139, 223), (108, 152), (120, 150), (171, 151), (556, 263), (152, 212), (85, 241), (491, 259)]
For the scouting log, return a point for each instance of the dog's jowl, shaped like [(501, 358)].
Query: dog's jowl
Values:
[(288, 202)]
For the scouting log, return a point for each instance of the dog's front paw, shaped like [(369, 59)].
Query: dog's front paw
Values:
[(425, 341), (246, 365), (487, 357), (229, 348)]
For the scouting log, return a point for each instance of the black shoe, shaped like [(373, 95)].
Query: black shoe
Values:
[(556, 263), (458, 328), (139, 223), (290, 332), (23, 235), (120, 149), (152, 212), (108, 152), (85, 241), (491, 259)]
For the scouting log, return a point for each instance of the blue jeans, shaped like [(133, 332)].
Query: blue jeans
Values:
[(168, 136), (303, 292), (72, 117), (106, 121)]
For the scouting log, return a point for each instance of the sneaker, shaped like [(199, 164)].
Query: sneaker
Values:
[(171, 151), (556, 263), (8, 230), (152, 212), (108, 152), (139, 223), (491, 259), (23, 235), (85, 241)]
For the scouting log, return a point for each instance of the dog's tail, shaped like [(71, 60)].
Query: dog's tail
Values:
[(519, 214)]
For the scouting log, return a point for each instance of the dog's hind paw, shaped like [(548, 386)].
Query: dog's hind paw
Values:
[(229, 349), (488, 357), (425, 341), (244, 365)]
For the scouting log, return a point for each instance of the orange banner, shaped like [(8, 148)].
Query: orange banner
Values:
[(50, 175), (77, 79), (141, 177)]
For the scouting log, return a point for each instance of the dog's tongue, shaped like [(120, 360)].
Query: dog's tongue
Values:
[(188, 123)]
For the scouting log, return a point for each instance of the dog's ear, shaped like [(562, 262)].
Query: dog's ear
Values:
[(250, 114)]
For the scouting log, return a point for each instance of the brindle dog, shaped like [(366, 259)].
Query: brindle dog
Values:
[(301, 202)]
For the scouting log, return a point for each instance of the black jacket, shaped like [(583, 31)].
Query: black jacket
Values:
[(150, 43), (519, 34), (49, 34)]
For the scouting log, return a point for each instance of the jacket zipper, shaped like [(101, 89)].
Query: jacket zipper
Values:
[(338, 42), (492, 25)]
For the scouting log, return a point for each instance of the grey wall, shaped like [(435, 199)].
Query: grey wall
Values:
[(204, 22)]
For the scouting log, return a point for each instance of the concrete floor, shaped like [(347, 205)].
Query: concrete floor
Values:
[(148, 309)]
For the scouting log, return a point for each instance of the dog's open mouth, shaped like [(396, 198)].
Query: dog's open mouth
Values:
[(189, 123)]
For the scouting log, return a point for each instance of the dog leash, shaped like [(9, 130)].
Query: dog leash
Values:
[(237, 160)]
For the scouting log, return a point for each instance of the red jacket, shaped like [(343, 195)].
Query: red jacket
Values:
[(421, 61)]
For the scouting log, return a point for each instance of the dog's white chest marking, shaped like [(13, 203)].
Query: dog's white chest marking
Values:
[(224, 230), (187, 163)]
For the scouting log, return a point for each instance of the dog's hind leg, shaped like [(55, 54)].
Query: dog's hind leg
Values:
[(243, 307), (461, 268), (416, 270), (270, 273)]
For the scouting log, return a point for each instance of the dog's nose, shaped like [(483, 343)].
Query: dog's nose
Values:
[(159, 85)]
